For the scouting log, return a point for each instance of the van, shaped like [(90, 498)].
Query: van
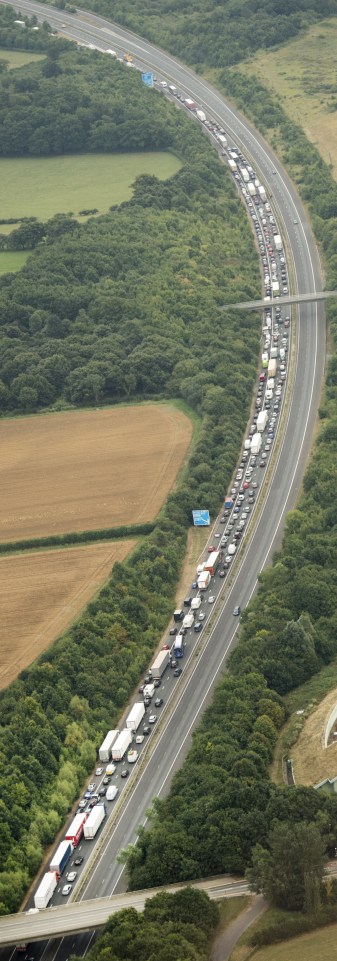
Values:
[(111, 792), (282, 353)]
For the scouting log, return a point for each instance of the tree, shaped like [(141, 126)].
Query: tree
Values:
[(289, 872)]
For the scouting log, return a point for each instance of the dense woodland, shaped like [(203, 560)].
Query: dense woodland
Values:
[(215, 32)]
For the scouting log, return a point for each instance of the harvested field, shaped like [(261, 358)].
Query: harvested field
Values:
[(88, 470), (43, 592)]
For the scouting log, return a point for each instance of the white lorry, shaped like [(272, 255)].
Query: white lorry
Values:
[(244, 174), (104, 753), (255, 446), (195, 603), (262, 193), (121, 745), (188, 620), (272, 367), (275, 288), (251, 188), (45, 890), (204, 580), (136, 716), (231, 164), (262, 421), (278, 242), (160, 664), (201, 115), (94, 821)]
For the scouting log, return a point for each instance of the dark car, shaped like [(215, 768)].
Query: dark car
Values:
[(177, 672), (102, 791), (173, 631), (262, 463), (141, 688), (147, 701), (79, 860), (125, 772), (194, 585), (187, 601), (148, 678), (157, 682), (158, 702), (106, 779), (198, 627), (146, 729)]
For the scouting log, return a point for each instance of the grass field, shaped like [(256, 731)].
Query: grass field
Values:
[(87, 470), (303, 74), (18, 58), (43, 186), (321, 945), (41, 593), (12, 260)]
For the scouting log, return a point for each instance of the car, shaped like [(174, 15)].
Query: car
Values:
[(148, 678), (141, 688), (158, 702), (79, 860), (91, 804), (147, 701), (125, 772), (165, 647), (177, 672), (99, 771), (262, 463), (237, 610), (146, 729), (102, 791), (110, 769), (66, 889), (215, 535), (87, 795), (91, 787), (72, 876), (173, 631), (295, 221), (173, 663), (157, 682), (152, 718), (246, 485), (195, 583), (139, 738), (106, 779), (211, 599), (223, 520), (188, 601), (222, 573), (183, 631), (82, 804)]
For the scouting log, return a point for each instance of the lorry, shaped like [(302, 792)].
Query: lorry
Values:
[(270, 383), (272, 367), (222, 140), (195, 603), (201, 116), (247, 444), (190, 104), (45, 890), (75, 829), (273, 353), (161, 662), (255, 446), (251, 188), (265, 359), (121, 745), (262, 193), (204, 580), (137, 713), (278, 242), (149, 690), (275, 287), (262, 419), (61, 858), (104, 752), (94, 821), (231, 163), (188, 620), (244, 174), (212, 562), (178, 615)]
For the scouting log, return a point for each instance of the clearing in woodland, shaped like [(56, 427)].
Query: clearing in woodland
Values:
[(43, 592), (320, 944), (88, 470)]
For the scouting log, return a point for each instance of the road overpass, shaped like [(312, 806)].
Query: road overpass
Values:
[(281, 301), (75, 917)]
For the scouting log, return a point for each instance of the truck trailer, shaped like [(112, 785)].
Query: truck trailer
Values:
[(75, 830), (204, 580), (244, 174), (212, 562), (196, 603), (45, 890), (272, 367), (120, 746), (190, 104), (251, 188), (188, 620), (275, 288), (231, 163), (278, 242), (61, 858), (94, 821), (255, 446), (262, 421), (262, 193), (201, 116), (104, 753), (160, 664), (136, 715)]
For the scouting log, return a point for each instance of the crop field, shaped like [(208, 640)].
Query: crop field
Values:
[(43, 186), (19, 58), (41, 593), (303, 74), (319, 944), (88, 470), (12, 260)]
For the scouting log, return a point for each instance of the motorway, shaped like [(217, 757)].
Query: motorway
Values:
[(171, 739)]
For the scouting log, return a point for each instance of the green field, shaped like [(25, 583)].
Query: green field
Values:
[(43, 186), (318, 946), (12, 260), (18, 58)]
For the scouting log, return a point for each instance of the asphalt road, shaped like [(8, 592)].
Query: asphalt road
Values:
[(171, 740)]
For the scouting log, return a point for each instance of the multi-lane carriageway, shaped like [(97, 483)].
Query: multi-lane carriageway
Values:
[(172, 738)]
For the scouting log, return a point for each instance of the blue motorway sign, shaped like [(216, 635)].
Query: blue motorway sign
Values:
[(147, 78), (201, 518)]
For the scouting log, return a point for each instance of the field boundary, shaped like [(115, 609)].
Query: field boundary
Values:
[(77, 537)]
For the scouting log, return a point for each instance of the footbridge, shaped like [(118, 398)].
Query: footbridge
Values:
[(281, 301)]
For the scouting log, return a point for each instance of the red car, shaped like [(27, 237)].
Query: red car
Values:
[(210, 549)]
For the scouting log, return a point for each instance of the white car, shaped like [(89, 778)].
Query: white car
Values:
[(99, 771), (140, 738), (217, 535), (211, 599), (201, 616), (152, 718), (72, 876), (66, 889)]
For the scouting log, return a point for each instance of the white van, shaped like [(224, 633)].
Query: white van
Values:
[(282, 353), (111, 792)]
